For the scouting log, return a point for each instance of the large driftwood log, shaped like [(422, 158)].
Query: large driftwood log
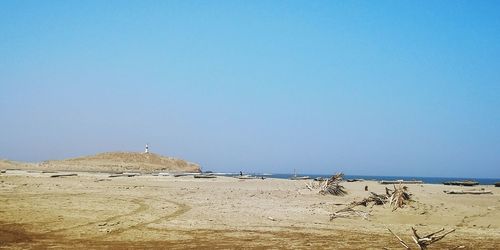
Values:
[(468, 192), (62, 175)]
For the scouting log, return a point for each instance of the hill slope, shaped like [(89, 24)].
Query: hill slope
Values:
[(122, 161), (7, 164)]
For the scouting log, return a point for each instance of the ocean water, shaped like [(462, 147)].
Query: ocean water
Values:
[(430, 180)]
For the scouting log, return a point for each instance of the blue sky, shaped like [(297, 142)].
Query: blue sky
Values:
[(364, 87)]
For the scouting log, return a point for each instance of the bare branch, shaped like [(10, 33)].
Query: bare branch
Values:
[(400, 240)]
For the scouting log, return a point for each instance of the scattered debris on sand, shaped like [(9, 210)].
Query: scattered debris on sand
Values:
[(396, 198), (425, 241)]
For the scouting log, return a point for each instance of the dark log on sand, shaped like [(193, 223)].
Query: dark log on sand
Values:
[(122, 175), (461, 183), (179, 175), (401, 182), (354, 180), (204, 176), (62, 175)]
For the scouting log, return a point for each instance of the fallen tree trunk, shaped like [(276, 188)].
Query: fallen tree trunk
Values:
[(122, 175), (468, 192), (62, 175)]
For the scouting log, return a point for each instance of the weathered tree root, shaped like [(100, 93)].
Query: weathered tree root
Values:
[(425, 241)]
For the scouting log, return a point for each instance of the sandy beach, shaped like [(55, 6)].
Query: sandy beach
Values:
[(92, 210)]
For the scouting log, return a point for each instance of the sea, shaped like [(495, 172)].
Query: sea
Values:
[(429, 180)]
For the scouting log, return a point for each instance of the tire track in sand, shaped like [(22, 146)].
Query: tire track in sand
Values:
[(142, 207), (181, 209)]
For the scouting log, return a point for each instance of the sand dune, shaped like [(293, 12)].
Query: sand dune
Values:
[(111, 162), (8, 164)]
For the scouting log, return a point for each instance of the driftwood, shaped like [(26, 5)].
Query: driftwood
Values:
[(205, 176), (354, 180), (399, 197), (122, 175), (468, 191), (396, 198), (179, 175), (332, 186), (425, 241), (348, 212), (375, 199), (62, 175)]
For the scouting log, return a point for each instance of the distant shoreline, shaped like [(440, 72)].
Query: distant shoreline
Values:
[(426, 180)]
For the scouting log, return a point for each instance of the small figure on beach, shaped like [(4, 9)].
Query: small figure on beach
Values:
[(241, 173), (366, 188), (147, 149)]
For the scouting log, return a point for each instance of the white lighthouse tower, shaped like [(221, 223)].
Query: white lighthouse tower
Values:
[(147, 149)]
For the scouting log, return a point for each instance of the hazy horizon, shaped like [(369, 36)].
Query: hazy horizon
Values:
[(369, 88)]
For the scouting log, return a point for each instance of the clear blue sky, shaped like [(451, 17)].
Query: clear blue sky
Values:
[(364, 87)]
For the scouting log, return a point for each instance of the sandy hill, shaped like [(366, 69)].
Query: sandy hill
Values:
[(6, 164), (122, 161)]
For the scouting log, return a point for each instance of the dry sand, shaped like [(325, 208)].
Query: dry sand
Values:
[(93, 211)]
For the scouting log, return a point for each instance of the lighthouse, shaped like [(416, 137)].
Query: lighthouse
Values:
[(146, 150)]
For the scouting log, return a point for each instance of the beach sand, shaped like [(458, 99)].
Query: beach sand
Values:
[(93, 211)]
